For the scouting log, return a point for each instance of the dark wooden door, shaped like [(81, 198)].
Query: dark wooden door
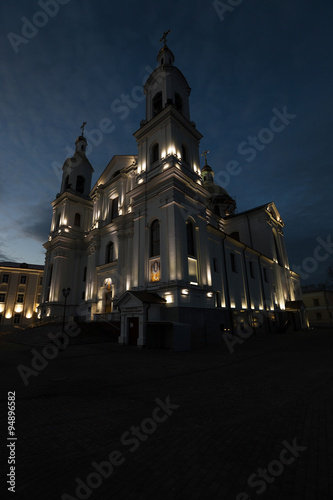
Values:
[(133, 331)]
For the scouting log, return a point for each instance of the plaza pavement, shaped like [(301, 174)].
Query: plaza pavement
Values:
[(236, 413)]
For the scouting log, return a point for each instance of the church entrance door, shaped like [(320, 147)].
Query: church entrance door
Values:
[(133, 331)]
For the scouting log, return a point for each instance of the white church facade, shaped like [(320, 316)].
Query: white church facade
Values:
[(156, 246)]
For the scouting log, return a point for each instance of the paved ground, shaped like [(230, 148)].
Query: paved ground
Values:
[(237, 413)]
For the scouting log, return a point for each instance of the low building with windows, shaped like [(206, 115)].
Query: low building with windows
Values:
[(319, 305), (20, 293), (158, 245)]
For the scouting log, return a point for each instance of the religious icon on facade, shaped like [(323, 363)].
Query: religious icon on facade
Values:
[(107, 284), (155, 270)]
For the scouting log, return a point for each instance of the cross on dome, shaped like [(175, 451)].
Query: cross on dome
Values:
[(205, 153), (164, 37)]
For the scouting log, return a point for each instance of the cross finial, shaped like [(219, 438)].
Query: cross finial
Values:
[(164, 37), (82, 128), (205, 153)]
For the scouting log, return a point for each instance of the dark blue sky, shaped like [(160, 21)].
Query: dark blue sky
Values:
[(261, 56)]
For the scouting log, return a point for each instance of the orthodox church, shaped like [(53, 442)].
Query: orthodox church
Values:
[(156, 247)]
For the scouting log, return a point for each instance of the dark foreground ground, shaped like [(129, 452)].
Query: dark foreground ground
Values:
[(233, 417)]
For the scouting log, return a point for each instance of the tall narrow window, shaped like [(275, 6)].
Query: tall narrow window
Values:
[(109, 252), (178, 103), (276, 243), (114, 208), (233, 262), (157, 103), (215, 268), (85, 274), (5, 278), (67, 185), (80, 182), (58, 221), (265, 275), (17, 318), (190, 239), (77, 220), (155, 153), (155, 239)]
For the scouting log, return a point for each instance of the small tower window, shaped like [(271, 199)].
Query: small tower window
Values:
[(77, 220), (58, 221), (155, 239), (109, 252), (157, 103), (67, 185), (80, 182), (190, 239), (178, 103), (155, 153)]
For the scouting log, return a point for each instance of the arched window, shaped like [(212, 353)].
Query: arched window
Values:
[(190, 239), (184, 152), (178, 103), (155, 239), (80, 181), (77, 220), (155, 153), (157, 103), (109, 252)]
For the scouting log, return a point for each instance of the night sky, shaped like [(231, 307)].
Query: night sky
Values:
[(241, 64)]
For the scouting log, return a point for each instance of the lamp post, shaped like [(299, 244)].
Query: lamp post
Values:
[(65, 292)]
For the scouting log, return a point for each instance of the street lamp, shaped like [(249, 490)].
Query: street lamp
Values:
[(65, 292)]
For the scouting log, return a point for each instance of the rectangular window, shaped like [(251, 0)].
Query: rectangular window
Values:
[(5, 278), (20, 298), (316, 302), (85, 274), (215, 265), (114, 211), (38, 298), (17, 318), (40, 280), (83, 296), (2, 297), (233, 262), (23, 280), (265, 275), (251, 269)]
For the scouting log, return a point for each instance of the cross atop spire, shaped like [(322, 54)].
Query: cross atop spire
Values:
[(82, 128), (205, 153), (164, 37)]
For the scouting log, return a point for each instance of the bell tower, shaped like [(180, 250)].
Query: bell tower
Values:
[(167, 137)]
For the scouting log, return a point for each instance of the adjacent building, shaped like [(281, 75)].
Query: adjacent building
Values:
[(157, 245), (20, 293), (319, 305)]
